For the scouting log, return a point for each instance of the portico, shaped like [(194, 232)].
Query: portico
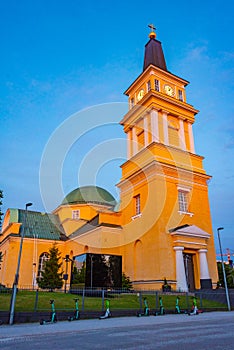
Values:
[(191, 240)]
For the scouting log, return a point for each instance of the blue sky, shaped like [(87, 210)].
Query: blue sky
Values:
[(62, 57)]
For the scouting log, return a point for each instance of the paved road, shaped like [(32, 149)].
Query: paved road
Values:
[(213, 330)]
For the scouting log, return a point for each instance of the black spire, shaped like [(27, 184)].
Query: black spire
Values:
[(154, 53)]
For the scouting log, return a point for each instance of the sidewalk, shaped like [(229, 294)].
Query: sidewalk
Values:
[(30, 329)]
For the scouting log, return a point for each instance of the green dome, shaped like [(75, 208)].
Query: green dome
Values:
[(90, 194)]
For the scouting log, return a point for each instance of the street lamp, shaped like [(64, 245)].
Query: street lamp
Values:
[(91, 271), (16, 280), (65, 276), (224, 273)]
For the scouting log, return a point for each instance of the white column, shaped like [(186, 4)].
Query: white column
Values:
[(165, 129), (154, 126), (180, 270), (134, 141), (129, 144), (146, 138), (191, 139), (204, 270), (181, 135)]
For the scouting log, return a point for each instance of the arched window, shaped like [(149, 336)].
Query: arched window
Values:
[(41, 266)]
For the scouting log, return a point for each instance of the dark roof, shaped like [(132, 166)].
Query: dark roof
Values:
[(174, 229), (154, 55), (40, 225), (90, 194), (90, 225)]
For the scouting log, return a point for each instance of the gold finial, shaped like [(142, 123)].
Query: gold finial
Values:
[(152, 34)]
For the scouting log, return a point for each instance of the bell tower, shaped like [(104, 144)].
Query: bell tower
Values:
[(158, 111), (163, 181)]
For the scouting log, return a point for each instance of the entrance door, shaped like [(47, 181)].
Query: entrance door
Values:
[(189, 271)]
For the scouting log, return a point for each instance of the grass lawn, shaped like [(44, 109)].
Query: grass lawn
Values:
[(26, 301)]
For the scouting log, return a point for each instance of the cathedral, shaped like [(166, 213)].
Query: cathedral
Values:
[(160, 229)]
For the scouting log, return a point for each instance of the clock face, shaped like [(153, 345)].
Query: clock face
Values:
[(140, 94), (169, 90)]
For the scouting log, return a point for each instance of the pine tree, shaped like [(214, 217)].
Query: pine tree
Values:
[(126, 282), (51, 278)]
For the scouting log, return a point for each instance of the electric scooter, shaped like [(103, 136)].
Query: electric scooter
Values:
[(177, 307), (107, 313), (76, 315), (146, 309), (161, 308), (53, 316)]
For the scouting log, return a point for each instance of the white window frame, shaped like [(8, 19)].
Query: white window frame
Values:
[(148, 85), (180, 95), (76, 214), (41, 263), (183, 203), (156, 85), (137, 204)]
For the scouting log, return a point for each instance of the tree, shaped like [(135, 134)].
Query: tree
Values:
[(51, 278), (1, 214), (96, 271), (115, 269), (126, 283), (229, 275), (78, 276)]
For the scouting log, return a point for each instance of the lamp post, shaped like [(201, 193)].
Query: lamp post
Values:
[(91, 271), (16, 280), (65, 276), (224, 273)]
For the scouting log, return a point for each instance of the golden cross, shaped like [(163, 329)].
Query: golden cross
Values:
[(152, 27)]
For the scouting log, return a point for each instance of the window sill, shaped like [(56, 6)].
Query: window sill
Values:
[(185, 213), (136, 216)]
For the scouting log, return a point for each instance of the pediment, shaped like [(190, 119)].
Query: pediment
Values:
[(190, 231)]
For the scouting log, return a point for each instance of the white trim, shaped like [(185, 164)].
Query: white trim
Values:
[(128, 145), (136, 216), (165, 129), (181, 135), (204, 269), (154, 125), (181, 283), (191, 231), (185, 189), (146, 137), (134, 141), (185, 213), (187, 242), (191, 139)]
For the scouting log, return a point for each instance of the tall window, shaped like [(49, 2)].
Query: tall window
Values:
[(132, 102), (137, 204), (183, 201), (148, 86), (180, 95), (156, 84), (41, 266), (75, 214)]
